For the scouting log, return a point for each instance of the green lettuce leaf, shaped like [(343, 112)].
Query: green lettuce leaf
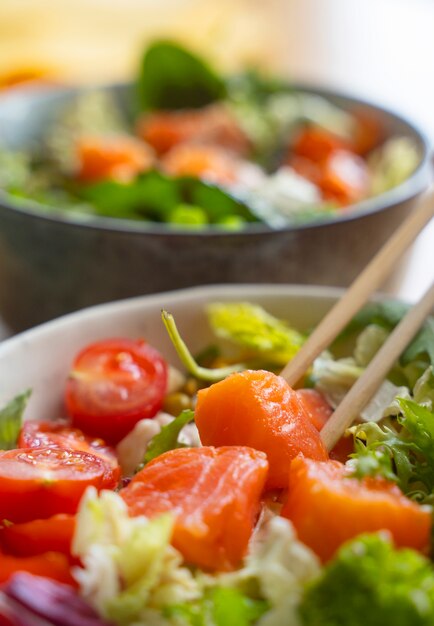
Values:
[(253, 329), (167, 438), (387, 315), (172, 77), (424, 389), (369, 582), (11, 419), (402, 452), (155, 196), (392, 163), (128, 566)]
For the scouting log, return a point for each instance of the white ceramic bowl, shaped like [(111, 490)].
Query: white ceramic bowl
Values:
[(41, 358)]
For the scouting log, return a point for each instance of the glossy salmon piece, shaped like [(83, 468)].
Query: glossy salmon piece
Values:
[(320, 411), (259, 409), (328, 509), (116, 157), (317, 407), (214, 494)]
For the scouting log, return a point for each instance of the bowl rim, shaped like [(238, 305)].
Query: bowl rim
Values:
[(404, 192), (239, 291)]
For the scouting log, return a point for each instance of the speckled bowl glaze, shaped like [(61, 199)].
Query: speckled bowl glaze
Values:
[(52, 263)]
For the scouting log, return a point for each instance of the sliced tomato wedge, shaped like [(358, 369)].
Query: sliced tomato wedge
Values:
[(41, 535), (317, 144), (51, 565), (114, 384), (58, 434), (40, 482)]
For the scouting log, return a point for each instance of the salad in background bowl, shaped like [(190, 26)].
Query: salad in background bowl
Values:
[(110, 194), (204, 150), (223, 512)]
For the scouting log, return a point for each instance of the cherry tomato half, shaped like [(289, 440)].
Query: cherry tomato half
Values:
[(114, 384), (51, 565), (57, 434), (40, 482), (39, 536)]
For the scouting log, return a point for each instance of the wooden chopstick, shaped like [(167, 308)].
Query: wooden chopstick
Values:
[(370, 381), (358, 293)]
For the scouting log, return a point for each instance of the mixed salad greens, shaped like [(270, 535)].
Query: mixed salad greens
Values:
[(207, 150), (217, 504)]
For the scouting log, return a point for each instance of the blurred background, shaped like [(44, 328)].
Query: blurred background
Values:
[(382, 50)]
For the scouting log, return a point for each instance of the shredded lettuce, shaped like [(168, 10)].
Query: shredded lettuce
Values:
[(368, 343), (402, 451), (424, 389), (369, 582), (11, 419), (130, 570), (392, 163), (334, 378), (250, 327), (388, 314), (276, 569)]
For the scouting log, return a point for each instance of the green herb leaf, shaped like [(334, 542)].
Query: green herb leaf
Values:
[(11, 418), (151, 195), (154, 196), (172, 77), (403, 452), (369, 582), (167, 438)]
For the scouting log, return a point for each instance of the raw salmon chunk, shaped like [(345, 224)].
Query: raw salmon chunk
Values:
[(214, 494), (260, 410), (327, 508)]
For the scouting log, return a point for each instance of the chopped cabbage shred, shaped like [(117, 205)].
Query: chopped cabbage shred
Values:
[(133, 576), (129, 567), (334, 377), (392, 163)]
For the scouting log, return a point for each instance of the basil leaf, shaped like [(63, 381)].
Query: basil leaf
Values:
[(11, 418), (171, 77), (167, 438)]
